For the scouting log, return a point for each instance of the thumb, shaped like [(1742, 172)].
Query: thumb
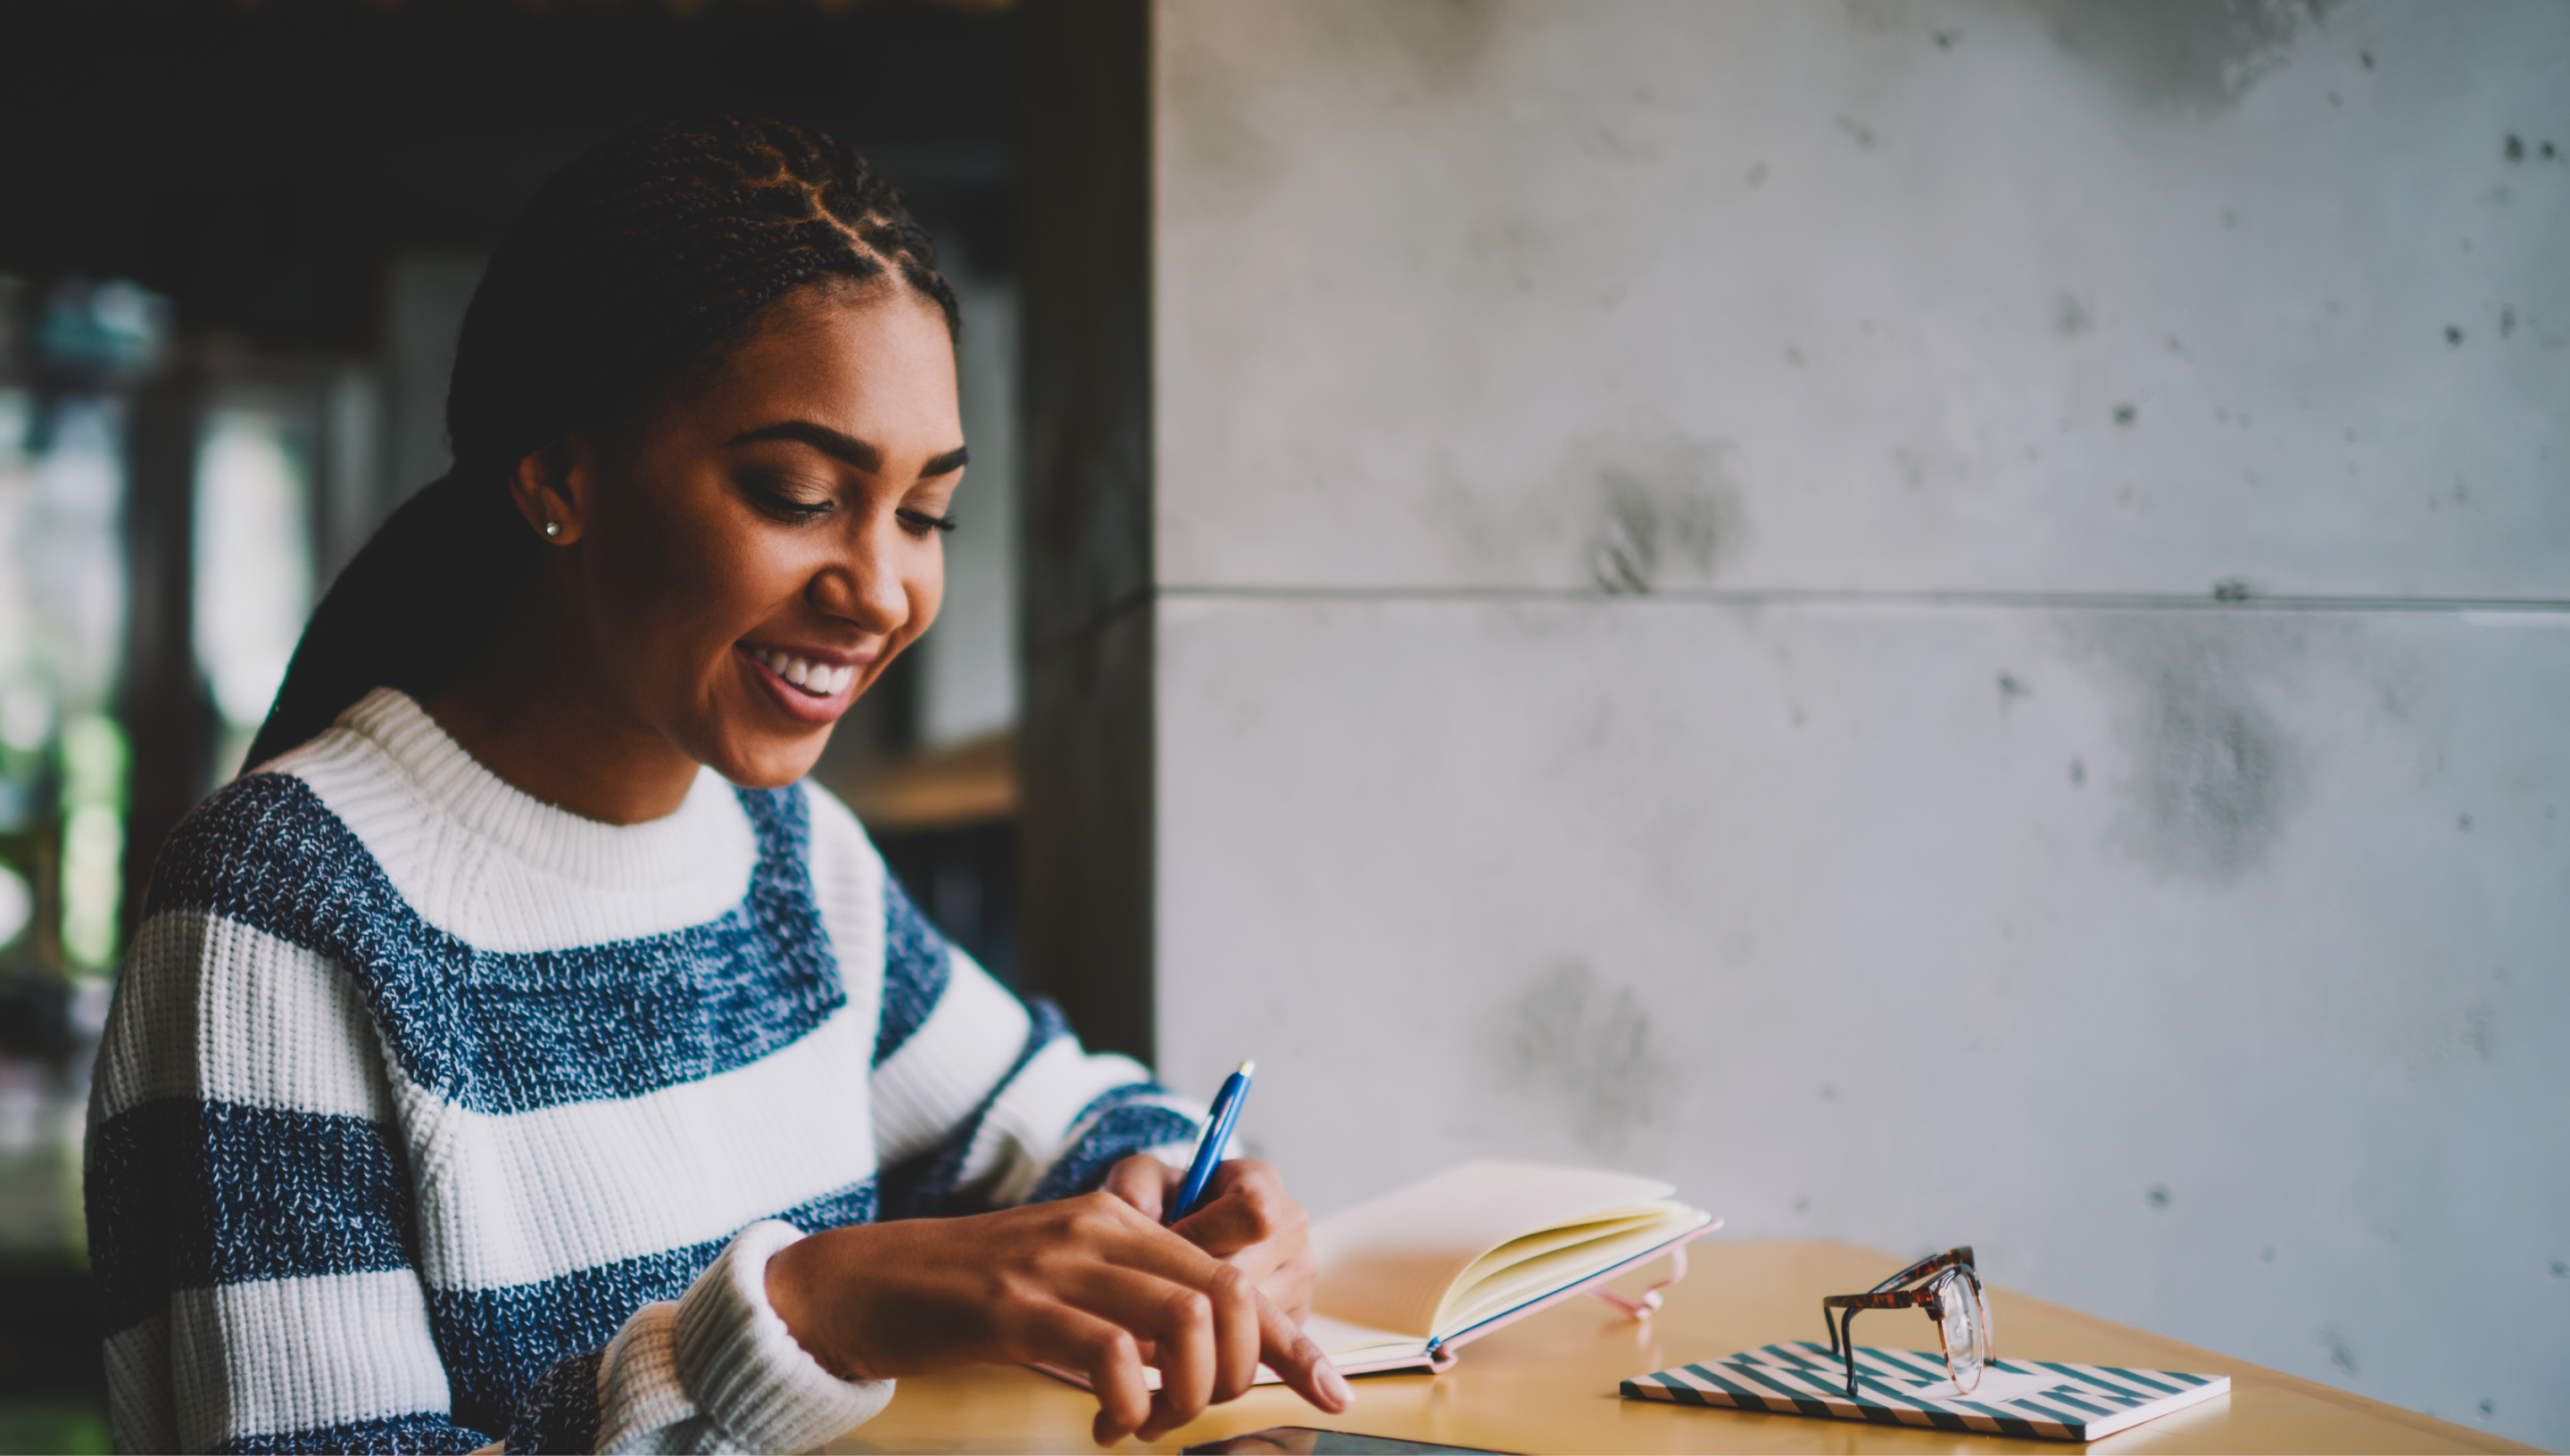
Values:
[(1142, 1181)]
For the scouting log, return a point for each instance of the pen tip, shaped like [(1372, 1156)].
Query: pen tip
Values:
[(1248, 1066)]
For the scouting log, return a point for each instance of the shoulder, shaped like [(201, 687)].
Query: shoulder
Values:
[(233, 992), (276, 846), (264, 850)]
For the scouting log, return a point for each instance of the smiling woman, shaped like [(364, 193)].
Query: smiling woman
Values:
[(523, 1050)]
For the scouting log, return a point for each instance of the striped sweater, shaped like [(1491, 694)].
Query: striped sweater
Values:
[(430, 1116)]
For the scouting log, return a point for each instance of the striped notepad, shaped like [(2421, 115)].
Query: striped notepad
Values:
[(1910, 1387)]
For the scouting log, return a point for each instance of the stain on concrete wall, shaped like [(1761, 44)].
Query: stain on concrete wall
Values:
[(1575, 1048), (2188, 55), (2210, 777), (1444, 42), (1667, 509)]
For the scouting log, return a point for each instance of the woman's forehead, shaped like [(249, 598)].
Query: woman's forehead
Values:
[(859, 366)]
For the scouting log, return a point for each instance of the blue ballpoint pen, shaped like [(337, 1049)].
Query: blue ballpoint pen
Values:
[(1227, 1111)]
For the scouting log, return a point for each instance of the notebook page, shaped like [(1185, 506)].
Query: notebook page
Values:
[(1517, 1251), (1502, 1289), (1346, 1344), (1386, 1264)]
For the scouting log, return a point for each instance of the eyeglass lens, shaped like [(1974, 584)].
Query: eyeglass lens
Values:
[(1966, 1329)]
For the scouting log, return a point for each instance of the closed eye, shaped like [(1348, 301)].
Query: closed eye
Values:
[(786, 499), (920, 523)]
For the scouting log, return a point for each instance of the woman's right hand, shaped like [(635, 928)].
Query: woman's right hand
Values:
[(1088, 1283)]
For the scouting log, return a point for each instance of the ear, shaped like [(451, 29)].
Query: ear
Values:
[(552, 489)]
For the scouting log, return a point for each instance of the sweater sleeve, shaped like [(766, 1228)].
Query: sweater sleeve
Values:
[(252, 1231), (980, 1100)]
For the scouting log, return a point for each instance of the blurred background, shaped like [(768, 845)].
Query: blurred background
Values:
[(1943, 622), (237, 241)]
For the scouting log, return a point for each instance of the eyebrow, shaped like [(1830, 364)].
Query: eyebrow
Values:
[(846, 448)]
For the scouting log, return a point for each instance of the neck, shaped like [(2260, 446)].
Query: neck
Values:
[(543, 728)]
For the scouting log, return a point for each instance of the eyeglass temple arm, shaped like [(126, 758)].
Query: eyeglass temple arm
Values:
[(1844, 1349), (1962, 1255)]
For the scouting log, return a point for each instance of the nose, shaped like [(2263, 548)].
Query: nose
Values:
[(864, 585)]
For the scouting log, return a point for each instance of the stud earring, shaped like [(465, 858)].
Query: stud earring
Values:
[(552, 531)]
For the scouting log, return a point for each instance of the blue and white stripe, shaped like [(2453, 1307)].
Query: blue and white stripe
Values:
[(427, 1113)]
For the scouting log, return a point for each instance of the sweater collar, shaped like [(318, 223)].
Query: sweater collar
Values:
[(664, 851)]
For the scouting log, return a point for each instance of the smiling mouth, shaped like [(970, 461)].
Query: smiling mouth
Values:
[(810, 679)]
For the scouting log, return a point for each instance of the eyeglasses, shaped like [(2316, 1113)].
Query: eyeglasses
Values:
[(1951, 1296)]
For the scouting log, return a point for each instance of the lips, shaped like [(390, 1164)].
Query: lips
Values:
[(809, 676), (827, 687)]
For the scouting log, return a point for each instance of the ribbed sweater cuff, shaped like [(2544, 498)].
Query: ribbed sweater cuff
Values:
[(744, 1368)]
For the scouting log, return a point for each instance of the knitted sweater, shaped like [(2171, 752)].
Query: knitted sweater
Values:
[(429, 1115)]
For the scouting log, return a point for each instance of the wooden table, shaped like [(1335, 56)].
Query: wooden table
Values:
[(1548, 1384)]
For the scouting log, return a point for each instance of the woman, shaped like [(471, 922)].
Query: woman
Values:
[(488, 1065)]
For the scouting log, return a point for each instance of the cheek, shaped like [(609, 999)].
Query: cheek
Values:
[(685, 582)]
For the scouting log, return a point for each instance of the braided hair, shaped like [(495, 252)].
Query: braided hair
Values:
[(636, 269)]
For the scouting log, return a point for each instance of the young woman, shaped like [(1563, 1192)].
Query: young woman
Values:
[(524, 1052)]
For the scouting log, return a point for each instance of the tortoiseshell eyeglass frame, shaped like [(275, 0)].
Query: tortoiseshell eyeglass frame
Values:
[(1948, 1269)]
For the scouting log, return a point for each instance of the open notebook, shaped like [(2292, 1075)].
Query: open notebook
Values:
[(1409, 1275)]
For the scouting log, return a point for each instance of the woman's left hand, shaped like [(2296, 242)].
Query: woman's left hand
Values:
[(1247, 1221)]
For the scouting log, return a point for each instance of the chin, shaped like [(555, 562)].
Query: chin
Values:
[(771, 765)]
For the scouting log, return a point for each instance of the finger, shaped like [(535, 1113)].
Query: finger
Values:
[(1152, 1253), (1289, 1284), (1142, 1181), (1104, 1352), (1237, 1336), (1292, 1354), (1174, 1318), (1248, 1207), (1263, 1263), (1116, 1231)]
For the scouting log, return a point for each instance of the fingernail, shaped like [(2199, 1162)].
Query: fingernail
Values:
[(1335, 1386)]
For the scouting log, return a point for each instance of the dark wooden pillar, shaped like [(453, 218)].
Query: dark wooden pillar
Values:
[(1086, 761), (169, 712)]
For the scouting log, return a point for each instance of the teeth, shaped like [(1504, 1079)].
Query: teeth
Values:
[(817, 678)]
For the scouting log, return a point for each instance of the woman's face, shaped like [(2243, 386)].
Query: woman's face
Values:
[(750, 556)]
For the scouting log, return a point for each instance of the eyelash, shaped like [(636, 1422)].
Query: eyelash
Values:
[(781, 502), (777, 503)]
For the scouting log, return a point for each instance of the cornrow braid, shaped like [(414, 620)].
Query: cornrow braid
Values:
[(637, 262), (636, 268)]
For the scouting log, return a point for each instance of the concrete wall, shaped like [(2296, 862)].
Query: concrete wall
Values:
[(1943, 622)]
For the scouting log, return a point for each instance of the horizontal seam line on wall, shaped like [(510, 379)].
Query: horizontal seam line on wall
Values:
[(1701, 597)]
